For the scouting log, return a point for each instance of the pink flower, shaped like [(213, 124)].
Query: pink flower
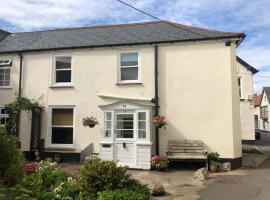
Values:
[(31, 167)]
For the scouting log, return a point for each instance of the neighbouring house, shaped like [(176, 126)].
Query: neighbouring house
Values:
[(257, 117), (263, 122), (245, 86), (124, 75)]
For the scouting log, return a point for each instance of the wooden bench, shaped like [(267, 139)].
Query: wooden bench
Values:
[(186, 150)]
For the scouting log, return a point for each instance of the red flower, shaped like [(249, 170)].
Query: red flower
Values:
[(31, 167)]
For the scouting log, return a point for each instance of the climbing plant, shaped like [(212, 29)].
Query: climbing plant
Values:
[(16, 106)]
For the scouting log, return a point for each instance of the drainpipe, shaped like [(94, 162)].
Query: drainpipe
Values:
[(155, 100), (20, 95), (20, 78)]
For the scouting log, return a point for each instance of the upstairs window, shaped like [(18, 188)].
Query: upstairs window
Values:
[(240, 87), (5, 69), (129, 67), (62, 67)]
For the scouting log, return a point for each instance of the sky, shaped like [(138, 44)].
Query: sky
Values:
[(249, 16)]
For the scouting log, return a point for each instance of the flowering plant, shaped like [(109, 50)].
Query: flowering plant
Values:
[(159, 162), (31, 167), (160, 121), (90, 121)]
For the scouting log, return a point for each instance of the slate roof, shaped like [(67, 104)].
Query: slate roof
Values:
[(246, 65), (3, 34), (267, 92), (109, 35)]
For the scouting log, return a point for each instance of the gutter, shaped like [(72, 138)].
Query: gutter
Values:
[(155, 100)]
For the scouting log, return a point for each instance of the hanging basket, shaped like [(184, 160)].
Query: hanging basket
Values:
[(159, 125), (91, 125)]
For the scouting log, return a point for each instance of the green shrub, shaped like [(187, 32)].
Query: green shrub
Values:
[(97, 175), (15, 192), (213, 157), (50, 182), (121, 195), (11, 160)]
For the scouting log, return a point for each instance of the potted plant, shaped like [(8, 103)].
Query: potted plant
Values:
[(160, 121), (90, 121), (213, 162), (159, 163)]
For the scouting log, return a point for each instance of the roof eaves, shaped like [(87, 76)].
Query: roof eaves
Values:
[(124, 44), (245, 64)]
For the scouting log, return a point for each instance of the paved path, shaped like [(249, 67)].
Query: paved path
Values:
[(253, 186)]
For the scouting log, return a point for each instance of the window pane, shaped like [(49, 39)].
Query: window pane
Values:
[(124, 133), (63, 76), (130, 73), (5, 77), (62, 135), (142, 125), (108, 116), (142, 134), (108, 124), (62, 117), (142, 116), (129, 59), (63, 62), (125, 125)]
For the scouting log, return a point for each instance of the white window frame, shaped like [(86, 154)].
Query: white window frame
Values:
[(105, 125), (62, 84), (50, 126), (120, 67), (147, 125), (241, 87), (7, 66), (3, 115)]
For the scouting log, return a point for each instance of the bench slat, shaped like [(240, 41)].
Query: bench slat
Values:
[(186, 150)]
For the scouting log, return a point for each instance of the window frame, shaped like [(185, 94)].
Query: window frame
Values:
[(7, 66), (119, 67), (61, 84), (240, 87), (6, 116), (50, 126)]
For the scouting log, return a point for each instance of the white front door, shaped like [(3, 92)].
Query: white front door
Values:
[(125, 137)]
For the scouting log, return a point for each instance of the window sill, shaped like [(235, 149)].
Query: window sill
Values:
[(130, 83), (62, 86), (5, 87), (51, 149)]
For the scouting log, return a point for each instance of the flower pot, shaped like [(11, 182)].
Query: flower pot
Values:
[(213, 168), (91, 125), (159, 125)]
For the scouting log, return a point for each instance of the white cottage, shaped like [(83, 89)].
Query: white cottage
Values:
[(124, 75)]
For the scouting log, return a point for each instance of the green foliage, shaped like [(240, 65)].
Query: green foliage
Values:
[(20, 104), (50, 182), (213, 157), (16, 192), (11, 160), (134, 190), (23, 103), (105, 179), (97, 175)]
